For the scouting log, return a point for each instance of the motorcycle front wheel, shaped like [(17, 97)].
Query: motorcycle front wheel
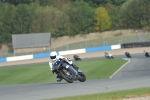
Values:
[(66, 75), (82, 77)]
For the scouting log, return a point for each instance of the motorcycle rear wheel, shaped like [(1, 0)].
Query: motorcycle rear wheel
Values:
[(65, 76)]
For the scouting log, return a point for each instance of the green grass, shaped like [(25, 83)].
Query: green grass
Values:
[(110, 95), (25, 75), (101, 68), (41, 72)]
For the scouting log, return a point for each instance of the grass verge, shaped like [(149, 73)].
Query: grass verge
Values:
[(119, 95), (41, 72)]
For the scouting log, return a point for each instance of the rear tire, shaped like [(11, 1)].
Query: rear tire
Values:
[(66, 77), (82, 77)]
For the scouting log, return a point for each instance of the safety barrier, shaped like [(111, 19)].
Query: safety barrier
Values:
[(136, 44), (44, 55)]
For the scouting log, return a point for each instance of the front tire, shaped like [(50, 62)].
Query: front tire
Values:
[(82, 77), (66, 75)]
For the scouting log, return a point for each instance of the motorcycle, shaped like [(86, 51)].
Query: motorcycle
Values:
[(67, 72), (147, 54), (76, 57), (108, 55), (127, 54)]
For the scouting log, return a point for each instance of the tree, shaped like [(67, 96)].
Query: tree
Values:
[(102, 19), (117, 2), (17, 2), (135, 14), (45, 2), (145, 20), (64, 27), (23, 19), (114, 13), (59, 3), (96, 3), (46, 19), (81, 18), (6, 23)]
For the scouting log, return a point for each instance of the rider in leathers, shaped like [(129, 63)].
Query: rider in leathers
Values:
[(127, 54), (54, 57), (146, 53)]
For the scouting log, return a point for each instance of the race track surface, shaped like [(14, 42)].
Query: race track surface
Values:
[(136, 67), (134, 74)]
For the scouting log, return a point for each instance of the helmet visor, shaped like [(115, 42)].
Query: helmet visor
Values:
[(52, 57)]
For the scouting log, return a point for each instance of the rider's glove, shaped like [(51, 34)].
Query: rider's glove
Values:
[(53, 71), (62, 59), (68, 59)]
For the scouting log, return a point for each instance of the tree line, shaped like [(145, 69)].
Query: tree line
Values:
[(71, 17)]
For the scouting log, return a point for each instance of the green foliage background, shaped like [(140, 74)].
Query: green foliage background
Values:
[(70, 17)]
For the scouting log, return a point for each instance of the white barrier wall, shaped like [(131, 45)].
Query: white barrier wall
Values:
[(17, 58), (113, 47), (77, 51), (72, 52)]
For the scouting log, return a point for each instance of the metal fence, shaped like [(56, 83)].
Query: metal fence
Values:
[(139, 37), (113, 40)]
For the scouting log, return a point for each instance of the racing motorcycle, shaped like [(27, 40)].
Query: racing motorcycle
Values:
[(108, 55), (76, 57), (147, 54), (67, 72), (127, 54)]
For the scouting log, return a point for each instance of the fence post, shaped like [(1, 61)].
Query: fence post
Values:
[(103, 41), (14, 52), (85, 44), (67, 46)]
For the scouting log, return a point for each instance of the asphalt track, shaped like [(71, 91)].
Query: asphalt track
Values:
[(135, 74)]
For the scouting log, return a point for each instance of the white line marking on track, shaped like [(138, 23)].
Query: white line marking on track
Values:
[(121, 67)]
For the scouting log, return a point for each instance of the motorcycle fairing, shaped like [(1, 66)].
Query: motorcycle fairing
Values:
[(71, 69), (79, 70)]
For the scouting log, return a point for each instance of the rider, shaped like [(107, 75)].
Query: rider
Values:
[(54, 57), (127, 54), (107, 55), (146, 53)]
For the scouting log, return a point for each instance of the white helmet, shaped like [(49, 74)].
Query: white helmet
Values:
[(53, 55)]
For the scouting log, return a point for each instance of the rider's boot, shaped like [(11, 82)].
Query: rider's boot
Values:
[(58, 78)]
